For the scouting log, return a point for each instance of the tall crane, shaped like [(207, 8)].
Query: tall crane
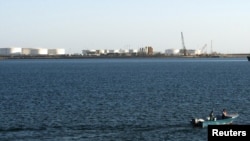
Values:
[(203, 48), (183, 45), (211, 48)]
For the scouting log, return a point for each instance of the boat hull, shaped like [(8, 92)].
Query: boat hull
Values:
[(217, 121), (248, 58)]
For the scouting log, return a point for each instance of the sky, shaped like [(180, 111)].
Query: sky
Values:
[(76, 25)]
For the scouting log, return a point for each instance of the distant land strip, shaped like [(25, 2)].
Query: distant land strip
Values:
[(136, 56)]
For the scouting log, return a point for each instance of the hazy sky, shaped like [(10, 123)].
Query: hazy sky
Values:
[(126, 24)]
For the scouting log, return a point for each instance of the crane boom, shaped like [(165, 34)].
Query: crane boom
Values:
[(203, 48), (183, 44)]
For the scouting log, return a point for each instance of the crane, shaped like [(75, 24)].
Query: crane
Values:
[(202, 50), (183, 45)]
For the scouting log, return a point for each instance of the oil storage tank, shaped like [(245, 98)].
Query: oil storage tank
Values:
[(10, 51), (58, 51), (39, 51), (26, 51), (170, 52)]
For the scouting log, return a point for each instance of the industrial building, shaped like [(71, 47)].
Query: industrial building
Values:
[(148, 50)]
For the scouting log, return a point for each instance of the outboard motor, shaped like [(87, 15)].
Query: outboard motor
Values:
[(194, 121)]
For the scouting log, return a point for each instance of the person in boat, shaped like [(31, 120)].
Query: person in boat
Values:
[(211, 115), (224, 114)]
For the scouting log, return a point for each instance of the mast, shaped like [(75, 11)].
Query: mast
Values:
[(183, 45), (211, 47)]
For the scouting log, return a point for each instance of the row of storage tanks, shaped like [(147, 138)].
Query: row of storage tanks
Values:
[(106, 51), (31, 51), (176, 52)]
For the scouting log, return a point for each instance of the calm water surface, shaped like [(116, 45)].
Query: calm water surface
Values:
[(118, 99)]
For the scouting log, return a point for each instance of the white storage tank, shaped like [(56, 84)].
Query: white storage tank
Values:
[(135, 51), (126, 51), (39, 51), (56, 51), (172, 52), (26, 51), (103, 51), (132, 51), (11, 51), (111, 51), (198, 52), (60, 51), (116, 51), (85, 52), (15, 51)]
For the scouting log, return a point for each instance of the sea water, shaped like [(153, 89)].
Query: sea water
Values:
[(118, 99)]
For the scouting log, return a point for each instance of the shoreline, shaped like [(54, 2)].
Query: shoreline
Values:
[(116, 57)]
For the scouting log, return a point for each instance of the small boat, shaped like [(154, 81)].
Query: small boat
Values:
[(248, 58), (217, 120)]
